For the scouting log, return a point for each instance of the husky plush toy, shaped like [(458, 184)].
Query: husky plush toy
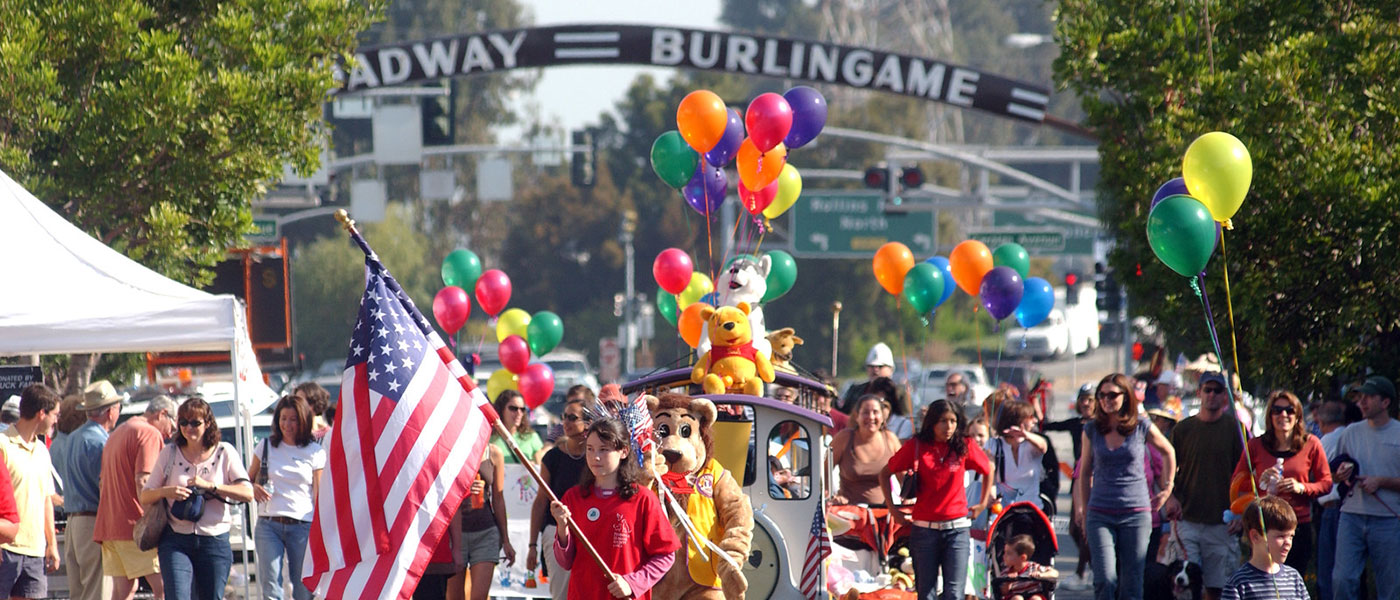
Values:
[(745, 280)]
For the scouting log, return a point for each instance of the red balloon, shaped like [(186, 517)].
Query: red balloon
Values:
[(768, 120), (756, 202), (451, 307), (493, 291), (536, 384), (672, 270), (514, 353)]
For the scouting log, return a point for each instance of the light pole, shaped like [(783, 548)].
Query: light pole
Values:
[(629, 229)]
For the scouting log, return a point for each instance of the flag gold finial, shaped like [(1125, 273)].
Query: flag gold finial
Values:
[(345, 220)]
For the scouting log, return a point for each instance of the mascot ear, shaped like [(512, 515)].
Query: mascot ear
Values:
[(781, 333), (765, 265), (652, 402), (743, 306), (705, 410), (796, 341), (707, 312)]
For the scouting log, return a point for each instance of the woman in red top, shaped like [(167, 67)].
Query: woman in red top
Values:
[(1305, 472), (939, 454), (621, 519)]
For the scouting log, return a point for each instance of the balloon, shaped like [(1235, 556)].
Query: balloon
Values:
[(673, 161), (1182, 234), (1012, 255), (706, 189), (666, 305), (672, 269), (724, 150), (781, 275), (536, 384), (691, 324), (699, 285), (702, 118), (759, 169), (768, 119), (923, 285), (969, 262), (789, 188), (892, 262), (514, 353), (1001, 291), (1036, 302), (808, 115), (948, 283), (513, 322), (711, 299), (451, 307), (757, 202), (544, 332), (1173, 187), (461, 269), (501, 381), (493, 291), (1217, 170)]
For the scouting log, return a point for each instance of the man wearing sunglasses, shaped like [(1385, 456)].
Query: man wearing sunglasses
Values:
[(1207, 448)]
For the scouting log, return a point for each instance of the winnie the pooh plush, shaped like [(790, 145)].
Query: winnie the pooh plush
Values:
[(732, 362), (783, 341), (712, 499)]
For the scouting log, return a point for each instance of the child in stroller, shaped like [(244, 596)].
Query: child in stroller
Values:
[(1021, 551)]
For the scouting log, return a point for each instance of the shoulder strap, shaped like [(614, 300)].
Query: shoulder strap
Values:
[(262, 469)]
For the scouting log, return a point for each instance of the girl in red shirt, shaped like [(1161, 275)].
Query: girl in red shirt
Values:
[(939, 454), (621, 519)]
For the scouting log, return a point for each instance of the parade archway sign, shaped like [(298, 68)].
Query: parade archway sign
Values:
[(729, 52)]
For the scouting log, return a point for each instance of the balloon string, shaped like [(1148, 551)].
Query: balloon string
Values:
[(761, 232), (709, 237), (977, 331), (1229, 305), (1229, 388)]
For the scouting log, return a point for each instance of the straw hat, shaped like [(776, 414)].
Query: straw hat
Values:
[(99, 394)]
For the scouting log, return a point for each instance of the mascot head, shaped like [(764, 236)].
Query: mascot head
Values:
[(683, 427), (745, 280), (728, 325)]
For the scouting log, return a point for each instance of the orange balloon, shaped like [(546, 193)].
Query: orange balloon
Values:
[(691, 324), (892, 262), (701, 119), (969, 262), (1241, 503), (1240, 485), (758, 169)]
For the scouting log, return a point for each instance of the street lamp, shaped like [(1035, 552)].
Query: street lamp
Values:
[(629, 230)]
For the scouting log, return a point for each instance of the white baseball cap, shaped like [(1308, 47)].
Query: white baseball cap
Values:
[(879, 356), (1169, 378)]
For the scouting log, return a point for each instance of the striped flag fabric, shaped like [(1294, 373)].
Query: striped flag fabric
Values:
[(406, 443), (814, 563), (639, 423)]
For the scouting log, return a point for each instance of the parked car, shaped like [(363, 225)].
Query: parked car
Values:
[(931, 384)]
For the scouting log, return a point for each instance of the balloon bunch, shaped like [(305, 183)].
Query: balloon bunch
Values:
[(684, 291), (998, 277), (1183, 225), (709, 134)]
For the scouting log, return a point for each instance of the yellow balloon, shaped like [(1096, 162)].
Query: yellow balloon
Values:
[(513, 322), (1217, 171), (700, 285), (501, 381), (789, 188)]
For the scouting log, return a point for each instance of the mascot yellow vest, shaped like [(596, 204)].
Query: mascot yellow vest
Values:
[(701, 508)]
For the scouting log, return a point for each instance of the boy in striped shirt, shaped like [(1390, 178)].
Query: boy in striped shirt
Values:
[(1269, 522)]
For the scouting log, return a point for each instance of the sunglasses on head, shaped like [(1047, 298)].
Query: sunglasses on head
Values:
[(1108, 395), (191, 422), (1282, 409), (570, 417)]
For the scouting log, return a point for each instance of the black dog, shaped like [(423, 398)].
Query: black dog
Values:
[(1180, 580)]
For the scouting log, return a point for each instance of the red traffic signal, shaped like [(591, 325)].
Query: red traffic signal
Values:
[(1071, 279), (911, 178), (877, 178)]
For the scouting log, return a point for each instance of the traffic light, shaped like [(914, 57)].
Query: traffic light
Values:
[(439, 118), (583, 163), (878, 178), (1071, 289), (1109, 297), (911, 178)]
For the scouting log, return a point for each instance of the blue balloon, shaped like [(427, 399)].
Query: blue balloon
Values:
[(711, 299), (729, 143), (808, 116), (948, 287), (1037, 301), (1173, 187)]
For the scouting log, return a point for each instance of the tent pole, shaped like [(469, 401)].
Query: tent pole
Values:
[(238, 433)]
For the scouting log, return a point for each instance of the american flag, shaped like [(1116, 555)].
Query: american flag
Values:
[(814, 564), (637, 418), (406, 444)]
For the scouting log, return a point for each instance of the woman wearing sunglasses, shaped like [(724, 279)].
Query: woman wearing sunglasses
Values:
[(1304, 476), (1112, 500), (560, 469), (515, 416)]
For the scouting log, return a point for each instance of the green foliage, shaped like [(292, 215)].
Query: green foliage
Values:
[(1310, 90)]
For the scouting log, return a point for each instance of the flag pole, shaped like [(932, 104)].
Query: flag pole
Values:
[(468, 384)]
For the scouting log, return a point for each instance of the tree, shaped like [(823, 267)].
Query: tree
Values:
[(1311, 92)]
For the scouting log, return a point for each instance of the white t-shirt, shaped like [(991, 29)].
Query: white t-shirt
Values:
[(1018, 477), (222, 467), (289, 475)]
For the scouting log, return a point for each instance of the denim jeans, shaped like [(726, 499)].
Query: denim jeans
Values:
[(1118, 544), (1327, 549), (194, 566), (274, 540), (1360, 537), (935, 549)]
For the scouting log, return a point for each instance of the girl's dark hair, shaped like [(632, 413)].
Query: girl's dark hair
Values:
[(504, 398), (886, 387), (613, 435), (1127, 414), (300, 406), (196, 408), (957, 447)]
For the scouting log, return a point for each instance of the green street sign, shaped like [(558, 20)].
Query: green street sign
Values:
[(851, 224), (266, 230), (1078, 239), (1038, 240)]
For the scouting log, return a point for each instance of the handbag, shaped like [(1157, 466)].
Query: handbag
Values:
[(909, 487), (149, 528)]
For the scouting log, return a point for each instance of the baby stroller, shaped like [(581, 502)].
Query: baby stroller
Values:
[(1017, 519)]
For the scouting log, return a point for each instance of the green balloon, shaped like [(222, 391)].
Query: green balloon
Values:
[(1182, 234), (544, 332), (666, 305), (461, 268), (781, 275), (923, 287), (673, 160), (1012, 255)]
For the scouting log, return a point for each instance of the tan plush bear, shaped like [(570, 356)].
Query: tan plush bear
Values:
[(783, 341), (710, 496), (732, 362)]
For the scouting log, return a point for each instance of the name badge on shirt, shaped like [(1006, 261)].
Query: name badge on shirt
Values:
[(593, 514)]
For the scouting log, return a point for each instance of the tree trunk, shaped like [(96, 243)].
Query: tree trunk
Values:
[(80, 368)]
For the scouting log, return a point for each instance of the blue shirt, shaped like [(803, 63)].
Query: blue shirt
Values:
[(1120, 475), (82, 468), (1250, 583)]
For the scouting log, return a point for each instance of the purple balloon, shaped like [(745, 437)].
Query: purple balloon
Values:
[(724, 150), (706, 189), (808, 116), (1174, 187), (1001, 291)]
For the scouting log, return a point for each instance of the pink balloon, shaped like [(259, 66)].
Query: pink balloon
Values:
[(451, 307), (672, 270), (493, 291), (755, 202), (768, 119), (514, 353), (536, 384)]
